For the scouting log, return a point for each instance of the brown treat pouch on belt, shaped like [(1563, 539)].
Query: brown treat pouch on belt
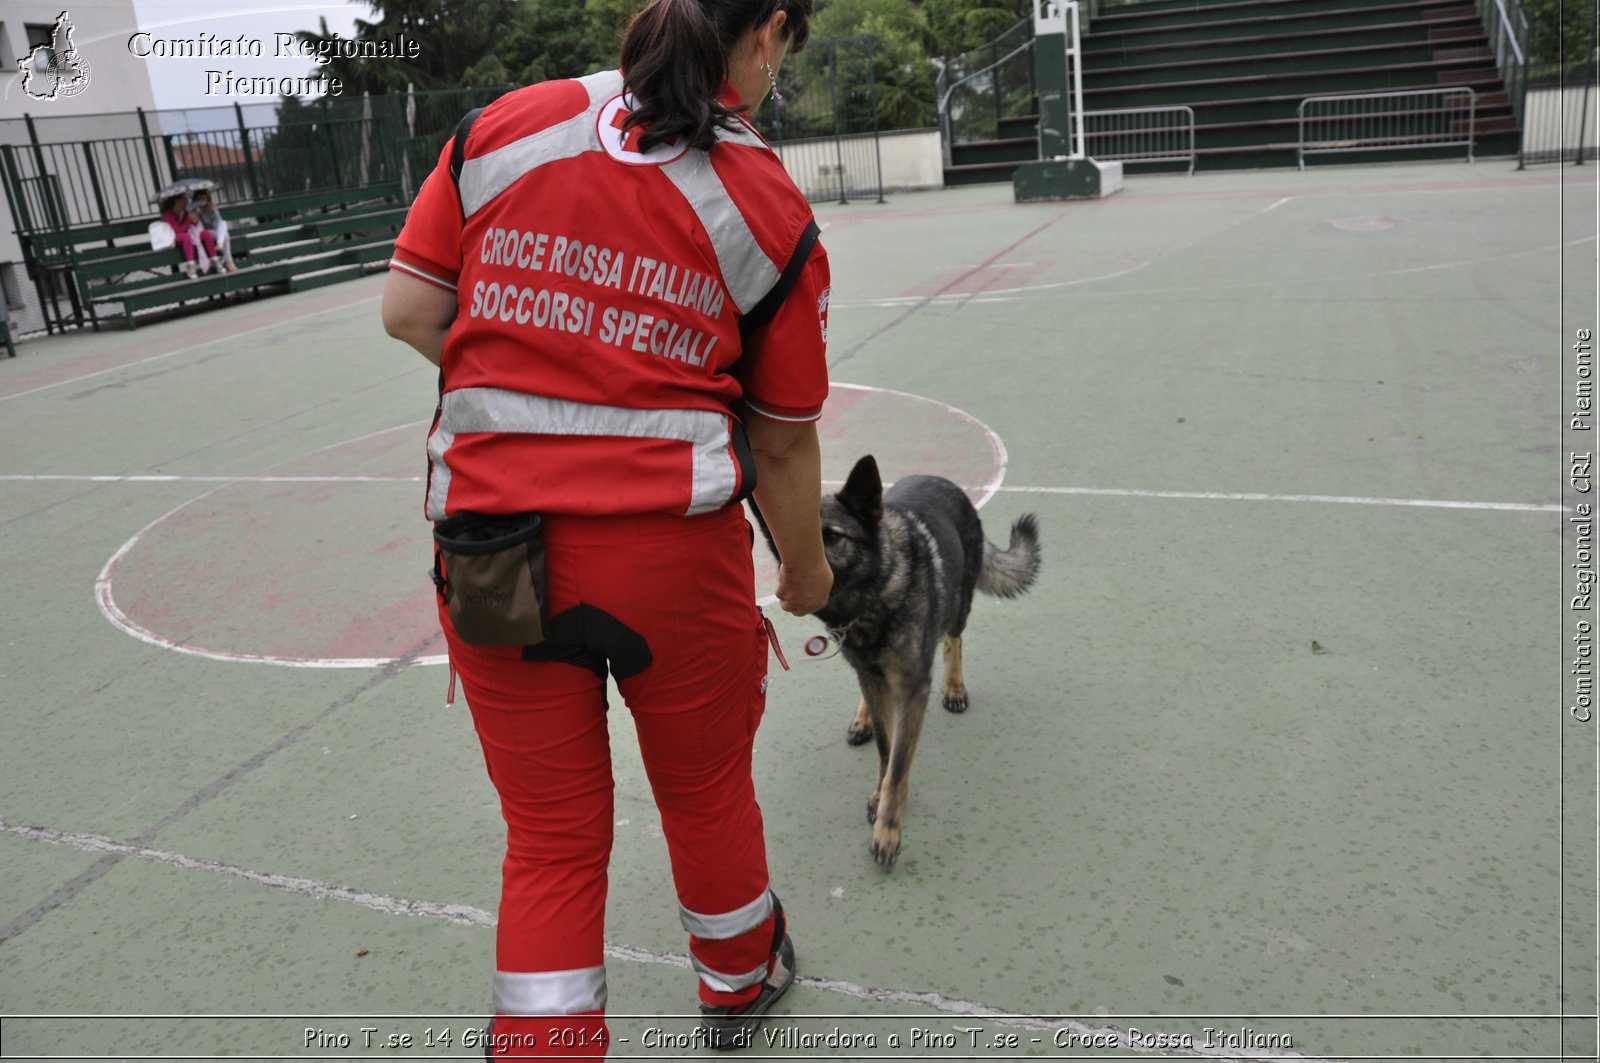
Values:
[(494, 580)]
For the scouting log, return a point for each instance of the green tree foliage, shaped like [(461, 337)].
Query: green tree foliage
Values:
[(1560, 31), (563, 38), (482, 43), (957, 25), (901, 66), (455, 38)]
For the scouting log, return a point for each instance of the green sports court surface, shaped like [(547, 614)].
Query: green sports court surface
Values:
[(1278, 746)]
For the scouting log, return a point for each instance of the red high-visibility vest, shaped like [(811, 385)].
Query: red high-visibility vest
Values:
[(617, 310)]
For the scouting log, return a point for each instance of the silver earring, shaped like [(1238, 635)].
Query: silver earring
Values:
[(772, 79)]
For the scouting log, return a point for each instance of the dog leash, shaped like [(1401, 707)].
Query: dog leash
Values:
[(772, 637)]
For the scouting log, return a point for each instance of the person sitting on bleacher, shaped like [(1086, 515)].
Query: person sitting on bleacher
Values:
[(211, 222), (187, 232)]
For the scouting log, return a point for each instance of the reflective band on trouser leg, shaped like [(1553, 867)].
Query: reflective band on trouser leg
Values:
[(720, 944), (729, 924), (549, 1014), (549, 992), (721, 982)]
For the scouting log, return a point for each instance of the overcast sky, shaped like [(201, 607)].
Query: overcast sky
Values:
[(182, 82)]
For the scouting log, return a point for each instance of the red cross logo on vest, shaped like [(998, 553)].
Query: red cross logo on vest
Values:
[(623, 144), (628, 138)]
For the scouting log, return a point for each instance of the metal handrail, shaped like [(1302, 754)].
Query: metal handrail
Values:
[(956, 62), (944, 101), (1505, 20), (1403, 139)]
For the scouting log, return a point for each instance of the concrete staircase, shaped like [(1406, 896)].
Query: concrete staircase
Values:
[(1244, 66)]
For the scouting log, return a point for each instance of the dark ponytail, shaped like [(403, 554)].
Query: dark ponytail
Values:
[(675, 59)]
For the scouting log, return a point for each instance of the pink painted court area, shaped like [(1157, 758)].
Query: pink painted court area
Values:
[(298, 567)]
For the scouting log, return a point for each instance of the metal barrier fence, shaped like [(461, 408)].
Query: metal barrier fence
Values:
[(1141, 135), (825, 124), (1388, 121), (1559, 116)]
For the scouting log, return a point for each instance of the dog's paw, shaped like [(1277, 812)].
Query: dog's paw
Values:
[(955, 699), (860, 725), (885, 845), (872, 807)]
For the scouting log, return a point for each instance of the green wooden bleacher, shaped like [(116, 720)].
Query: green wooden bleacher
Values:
[(300, 241)]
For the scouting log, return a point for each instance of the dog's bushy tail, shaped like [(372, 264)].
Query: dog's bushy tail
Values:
[(1008, 573)]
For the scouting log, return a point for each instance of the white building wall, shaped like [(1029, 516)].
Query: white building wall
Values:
[(118, 82), (912, 160)]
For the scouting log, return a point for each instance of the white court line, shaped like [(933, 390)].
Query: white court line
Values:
[(113, 612), (1009, 295), (1278, 204), (467, 915), (995, 295), (1246, 496), (229, 338)]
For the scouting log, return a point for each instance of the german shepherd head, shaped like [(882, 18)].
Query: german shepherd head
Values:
[(852, 525)]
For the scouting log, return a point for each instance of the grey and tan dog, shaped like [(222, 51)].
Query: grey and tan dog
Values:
[(905, 565)]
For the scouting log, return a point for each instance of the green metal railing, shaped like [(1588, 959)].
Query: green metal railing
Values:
[(56, 181)]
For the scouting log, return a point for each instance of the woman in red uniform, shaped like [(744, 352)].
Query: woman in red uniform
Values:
[(625, 295)]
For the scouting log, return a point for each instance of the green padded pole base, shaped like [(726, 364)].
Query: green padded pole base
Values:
[(1066, 179)]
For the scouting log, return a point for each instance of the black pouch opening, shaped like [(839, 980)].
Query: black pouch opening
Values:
[(494, 577)]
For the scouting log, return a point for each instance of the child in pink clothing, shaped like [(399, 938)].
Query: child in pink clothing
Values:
[(185, 229)]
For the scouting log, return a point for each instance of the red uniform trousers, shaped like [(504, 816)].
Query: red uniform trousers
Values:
[(682, 588)]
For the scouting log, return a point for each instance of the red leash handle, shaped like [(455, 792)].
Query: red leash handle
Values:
[(772, 637)]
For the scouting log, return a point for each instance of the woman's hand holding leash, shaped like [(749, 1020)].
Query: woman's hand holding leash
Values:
[(804, 591)]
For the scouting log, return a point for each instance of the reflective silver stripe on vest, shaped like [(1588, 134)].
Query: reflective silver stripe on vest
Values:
[(742, 134), (731, 924), (713, 478), (486, 176), (746, 269), (550, 992), (728, 983), (439, 441)]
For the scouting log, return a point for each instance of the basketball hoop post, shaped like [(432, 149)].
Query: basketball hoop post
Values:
[(1063, 170)]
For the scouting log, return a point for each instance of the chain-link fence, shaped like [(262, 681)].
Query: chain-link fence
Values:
[(823, 120)]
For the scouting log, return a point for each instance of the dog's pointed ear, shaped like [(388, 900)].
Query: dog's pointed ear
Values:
[(863, 491)]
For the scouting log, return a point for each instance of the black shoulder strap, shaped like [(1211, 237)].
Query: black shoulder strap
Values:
[(762, 312), (458, 148)]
